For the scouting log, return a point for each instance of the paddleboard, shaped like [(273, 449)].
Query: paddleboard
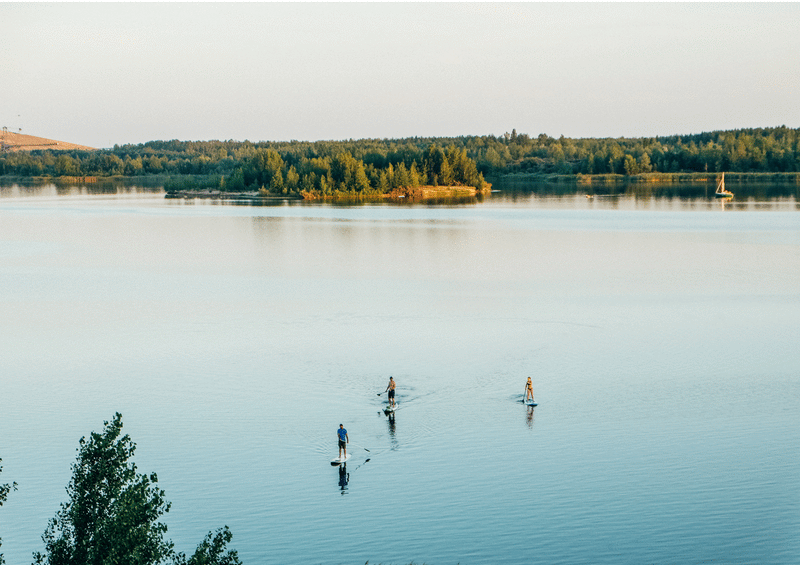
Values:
[(530, 403), (338, 461), (389, 408)]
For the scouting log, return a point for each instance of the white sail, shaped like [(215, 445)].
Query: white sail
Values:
[(721, 190)]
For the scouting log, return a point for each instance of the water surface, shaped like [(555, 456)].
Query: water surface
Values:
[(660, 333)]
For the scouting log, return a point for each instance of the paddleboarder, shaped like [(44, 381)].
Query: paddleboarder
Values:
[(529, 390), (343, 440), (390, 388)]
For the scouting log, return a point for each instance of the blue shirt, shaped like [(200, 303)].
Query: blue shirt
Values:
[(342, 434)]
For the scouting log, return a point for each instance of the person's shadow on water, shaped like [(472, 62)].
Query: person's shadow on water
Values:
[(392, 432), (344, 478)]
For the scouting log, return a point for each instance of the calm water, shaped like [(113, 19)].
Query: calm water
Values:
[(661, 335)]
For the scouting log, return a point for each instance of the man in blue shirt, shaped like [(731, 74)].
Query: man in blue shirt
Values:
[(343, 441)]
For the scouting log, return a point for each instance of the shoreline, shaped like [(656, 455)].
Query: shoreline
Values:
[(407, 194), (222, 195), (654, 178), (730, 176)]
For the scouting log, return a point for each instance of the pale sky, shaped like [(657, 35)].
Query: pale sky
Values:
[(105, 73)]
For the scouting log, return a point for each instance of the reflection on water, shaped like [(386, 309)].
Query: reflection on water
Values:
[(696, 196), (761, 189), (764, 195), (344, 478), (529, 418), (102, 187), (390, 420)]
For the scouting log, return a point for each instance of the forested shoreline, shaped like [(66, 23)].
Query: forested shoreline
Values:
[(380, 166)]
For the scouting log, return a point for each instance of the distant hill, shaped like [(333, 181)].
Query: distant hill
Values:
[(20, 142)]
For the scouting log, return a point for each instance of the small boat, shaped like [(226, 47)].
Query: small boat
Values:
[(722, 192)]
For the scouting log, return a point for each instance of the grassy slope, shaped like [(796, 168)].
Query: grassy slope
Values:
[(21, 142)]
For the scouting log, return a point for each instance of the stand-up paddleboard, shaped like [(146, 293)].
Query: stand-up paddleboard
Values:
[(530, 403), (341, 460), (389, 408)]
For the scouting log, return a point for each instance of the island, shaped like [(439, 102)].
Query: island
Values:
[(435, 172)]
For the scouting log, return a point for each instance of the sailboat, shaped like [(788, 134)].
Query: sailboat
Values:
[(722, 192)]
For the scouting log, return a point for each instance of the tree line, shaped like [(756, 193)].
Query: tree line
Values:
[(368, 166)]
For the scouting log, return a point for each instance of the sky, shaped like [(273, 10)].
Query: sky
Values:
[(101, 74)]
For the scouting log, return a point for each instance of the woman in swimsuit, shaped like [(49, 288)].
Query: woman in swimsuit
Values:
[(529, 390)]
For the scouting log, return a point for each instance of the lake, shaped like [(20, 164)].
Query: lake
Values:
[(661, 335)]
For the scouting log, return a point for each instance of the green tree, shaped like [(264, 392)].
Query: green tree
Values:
[(384, 185), (413, 175), (360, 180), (342, 171), (308, 182), (113, 512), (153, 164), (113, 165), (4, 490), (390, 177), (434, 158), (292, 179), (493, 159), (556, 153), (324, 187), (401, 177), (446, 177), (631, 168), (211, 551), (644, 164), (66, 166), (276, 182), (133, 167), (236, 181)]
